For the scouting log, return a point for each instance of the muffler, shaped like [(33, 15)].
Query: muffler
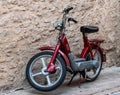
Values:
[(88, 65), (81, 64)]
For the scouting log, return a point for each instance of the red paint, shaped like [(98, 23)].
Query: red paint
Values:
[(96, 43), (84, 52), (96, 40), (51, 66), (87, 48), (103, 54), (89, 44), (47, 48), (62, 48), (60, 52), (64, 45)]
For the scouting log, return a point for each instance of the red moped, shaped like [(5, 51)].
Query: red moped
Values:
[(46, 70)]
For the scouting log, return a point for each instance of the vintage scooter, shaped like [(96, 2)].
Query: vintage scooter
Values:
[(46, 70)]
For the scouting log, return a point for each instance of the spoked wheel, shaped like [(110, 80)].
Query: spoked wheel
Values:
[(37, 75), (94, 73)]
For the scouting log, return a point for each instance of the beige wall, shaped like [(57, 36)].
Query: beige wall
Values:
[(26, 25)]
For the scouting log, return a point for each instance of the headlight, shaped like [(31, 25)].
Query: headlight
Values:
[(58, 25)]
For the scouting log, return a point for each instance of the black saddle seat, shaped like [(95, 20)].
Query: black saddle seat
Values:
[(89, 29)]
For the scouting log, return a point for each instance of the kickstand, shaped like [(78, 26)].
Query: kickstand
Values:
[(83, 74), (79, 81), (72, 78)]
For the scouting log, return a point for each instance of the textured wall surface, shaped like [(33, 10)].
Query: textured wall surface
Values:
[(26, 25)]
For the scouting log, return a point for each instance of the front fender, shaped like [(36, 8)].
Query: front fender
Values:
[(60, 52)]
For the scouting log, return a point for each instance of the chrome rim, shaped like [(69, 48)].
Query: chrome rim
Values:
[(38, 73)]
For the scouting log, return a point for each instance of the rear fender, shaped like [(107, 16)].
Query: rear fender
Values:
[(86, 50), (60, 52), (103, 54), (101, 51)]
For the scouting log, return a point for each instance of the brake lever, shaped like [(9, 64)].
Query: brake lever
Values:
[(72, 19)]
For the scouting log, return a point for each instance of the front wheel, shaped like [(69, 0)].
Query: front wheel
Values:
[(36, 73), (94, 73)]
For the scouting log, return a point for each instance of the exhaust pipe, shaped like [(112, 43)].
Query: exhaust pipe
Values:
[(92, 64), (81, 64)]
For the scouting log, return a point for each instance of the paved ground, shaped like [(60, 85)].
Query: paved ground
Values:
[(108, 83)]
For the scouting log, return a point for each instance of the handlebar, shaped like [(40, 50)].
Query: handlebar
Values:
[(65, 19), (66, 10), (72, 19)]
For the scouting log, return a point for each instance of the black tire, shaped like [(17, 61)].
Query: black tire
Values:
[(47, 82), (88, 57)]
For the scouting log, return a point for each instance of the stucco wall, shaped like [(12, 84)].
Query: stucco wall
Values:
[(26, 25)]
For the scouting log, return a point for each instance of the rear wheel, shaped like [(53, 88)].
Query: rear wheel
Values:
[(94, 73), (37, 75)]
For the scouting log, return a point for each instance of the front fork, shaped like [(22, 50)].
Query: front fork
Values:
[(51, 65)]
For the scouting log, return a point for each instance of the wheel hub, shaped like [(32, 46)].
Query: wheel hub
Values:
[(44, 71)]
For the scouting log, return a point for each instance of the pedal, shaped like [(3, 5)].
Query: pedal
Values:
[(88, 79)]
